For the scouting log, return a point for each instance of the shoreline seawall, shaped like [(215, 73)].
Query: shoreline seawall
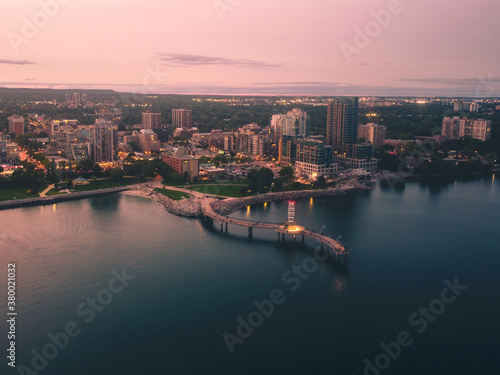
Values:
[(58, 198), (191, 207)]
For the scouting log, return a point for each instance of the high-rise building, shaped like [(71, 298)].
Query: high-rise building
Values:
[(301, 122), (373, 133), (460, 106), (310, 156), (342, 122), (450, 127), (295, 122), (182, 118), (16, 124), (474, 107), (342, 135), (250, 140), (476, 128), (102, 140), (151, 120), (456, 127), (77, 99)]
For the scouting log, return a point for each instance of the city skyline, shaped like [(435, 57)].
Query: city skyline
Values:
[(379, 47)]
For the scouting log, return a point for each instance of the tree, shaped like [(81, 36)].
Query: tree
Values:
[(321, 182), (204, 159), (219, 159), (117, 174), (286, 172)]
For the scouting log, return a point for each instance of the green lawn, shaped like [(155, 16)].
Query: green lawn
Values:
[(289, 187), (210, 182), (106, 184), (173, 194), (220, 189), (7, 194), (54, 192)]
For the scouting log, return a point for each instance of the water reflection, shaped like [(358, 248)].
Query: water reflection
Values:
[(105, 202), (396, 185)]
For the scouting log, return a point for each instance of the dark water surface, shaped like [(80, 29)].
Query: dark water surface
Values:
[(191, 283)]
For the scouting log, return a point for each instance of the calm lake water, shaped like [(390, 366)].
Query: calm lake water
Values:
[(191, 283)]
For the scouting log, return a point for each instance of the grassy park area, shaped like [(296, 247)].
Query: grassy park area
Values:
[(7, 194), (106, 184), (173, 194)]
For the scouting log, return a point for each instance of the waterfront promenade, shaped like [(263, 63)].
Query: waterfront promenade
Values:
[(59, 198)]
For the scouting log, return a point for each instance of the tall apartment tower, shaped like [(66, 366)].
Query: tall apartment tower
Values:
[(373, 133), (301, 121), (16, 124), (151, 120), (77, 99), (182, 118), (342, 122), (102, 138)]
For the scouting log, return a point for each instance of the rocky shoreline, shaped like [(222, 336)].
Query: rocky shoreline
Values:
[(191, 207)]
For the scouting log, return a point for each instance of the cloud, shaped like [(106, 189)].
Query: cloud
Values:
[(389, 62), (179, 59), (17, 62), (361, 64)]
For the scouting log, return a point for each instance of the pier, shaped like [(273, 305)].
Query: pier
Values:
[(289, 228)]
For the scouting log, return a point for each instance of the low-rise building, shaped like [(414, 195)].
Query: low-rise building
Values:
[(186, 165)]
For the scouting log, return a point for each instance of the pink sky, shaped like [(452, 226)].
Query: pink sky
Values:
[(445, 47)]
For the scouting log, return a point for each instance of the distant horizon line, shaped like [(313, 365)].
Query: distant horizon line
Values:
[(257, 94)]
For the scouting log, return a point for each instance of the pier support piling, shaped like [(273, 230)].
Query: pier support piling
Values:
[(226, 227), (250, 232), (303, 238)]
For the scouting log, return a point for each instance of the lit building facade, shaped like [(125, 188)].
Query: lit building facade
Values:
[(102, 141), (456, 128), (186, 165)]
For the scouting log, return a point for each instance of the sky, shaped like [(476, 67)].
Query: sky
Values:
[(315, 47)]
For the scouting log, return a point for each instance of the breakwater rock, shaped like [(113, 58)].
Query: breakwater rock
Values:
[(185, 207)]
